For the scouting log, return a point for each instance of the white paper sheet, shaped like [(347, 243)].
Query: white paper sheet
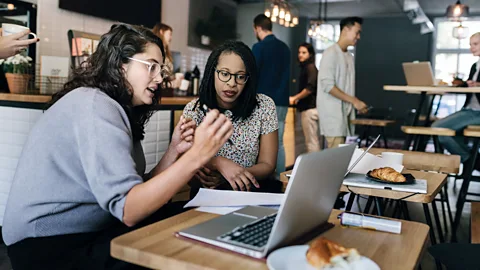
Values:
[(218, 209), (370, 162), (212, 197)]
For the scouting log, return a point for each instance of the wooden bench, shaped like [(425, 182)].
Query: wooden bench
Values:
[(473, 127), (381, 124), (417, 132), (475, 223)]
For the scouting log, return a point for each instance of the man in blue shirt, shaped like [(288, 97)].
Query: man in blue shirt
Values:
[(273, 63)]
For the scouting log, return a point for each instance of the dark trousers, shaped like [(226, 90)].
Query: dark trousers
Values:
[(82, 250)]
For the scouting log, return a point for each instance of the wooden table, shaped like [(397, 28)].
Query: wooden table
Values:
[(423, 161), (424, 90), (435, 182), (155, 246)]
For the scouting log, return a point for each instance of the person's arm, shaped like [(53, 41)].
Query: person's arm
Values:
[(12, 44), (182, 139), (311, 86), (267, 157), (144, 199), (258, 55)]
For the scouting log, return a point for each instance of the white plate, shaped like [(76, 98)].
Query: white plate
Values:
[(294, 258)]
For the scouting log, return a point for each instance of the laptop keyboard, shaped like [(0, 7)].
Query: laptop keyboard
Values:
[(253, 234)]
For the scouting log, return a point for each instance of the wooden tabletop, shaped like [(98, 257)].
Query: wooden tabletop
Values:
[(46, 98), (432, 89), (371, 122), (435, 182), (424, 161), (433, 131), (156, 246)]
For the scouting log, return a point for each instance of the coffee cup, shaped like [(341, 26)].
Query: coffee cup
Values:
[(10, 29), (393, 157)]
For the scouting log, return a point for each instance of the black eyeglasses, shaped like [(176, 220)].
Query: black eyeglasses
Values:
[(225, 76)]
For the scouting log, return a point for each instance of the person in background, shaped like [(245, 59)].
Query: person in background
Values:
[(273, 64), (336, 99), (229, 86), (13, 44), (165, 32), (470, 113), (306, 98), (80, 179)]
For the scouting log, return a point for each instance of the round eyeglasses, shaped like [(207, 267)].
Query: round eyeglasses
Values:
[(225, 76), (154, 68)]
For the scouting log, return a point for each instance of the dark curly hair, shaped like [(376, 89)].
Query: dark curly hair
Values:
[(247, 101), (103, 70)]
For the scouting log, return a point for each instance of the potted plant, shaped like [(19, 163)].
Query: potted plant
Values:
[(17, 72)]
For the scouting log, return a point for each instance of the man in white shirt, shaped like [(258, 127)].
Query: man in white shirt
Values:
[(470, 113), (336, 99)]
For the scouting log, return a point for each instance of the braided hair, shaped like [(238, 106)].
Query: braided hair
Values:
[(247, 101)]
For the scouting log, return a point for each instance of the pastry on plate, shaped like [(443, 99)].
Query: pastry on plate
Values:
[(325, 253), (388, 174)]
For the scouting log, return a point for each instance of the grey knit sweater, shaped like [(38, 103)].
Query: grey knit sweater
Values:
[(75, 170)]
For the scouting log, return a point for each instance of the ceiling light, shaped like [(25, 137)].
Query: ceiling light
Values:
[(457, 11)]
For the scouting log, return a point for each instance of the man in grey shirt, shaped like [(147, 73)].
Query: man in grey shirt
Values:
[(336, 85)]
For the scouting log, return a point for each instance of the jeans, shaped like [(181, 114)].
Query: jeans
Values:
[(457, 121), (281, 115)]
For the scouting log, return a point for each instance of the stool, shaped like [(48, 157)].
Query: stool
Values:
[(467, 173), (426, 131), (372, 123)]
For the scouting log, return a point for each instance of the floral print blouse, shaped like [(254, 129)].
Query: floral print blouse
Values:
[(246, 132)]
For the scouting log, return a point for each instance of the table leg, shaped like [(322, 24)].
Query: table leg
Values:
[(351, 198), (379, 205), (437, 221), (408, 140)]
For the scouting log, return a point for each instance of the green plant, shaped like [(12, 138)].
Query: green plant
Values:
[(19, 63)]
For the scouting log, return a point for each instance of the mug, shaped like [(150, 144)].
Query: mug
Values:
[(9, 29), (393, 157)]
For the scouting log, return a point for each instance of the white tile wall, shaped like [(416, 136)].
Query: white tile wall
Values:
[(15, 124), (157, 138)]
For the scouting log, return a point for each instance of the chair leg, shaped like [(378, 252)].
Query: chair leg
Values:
[(462, 195), (382, 130)]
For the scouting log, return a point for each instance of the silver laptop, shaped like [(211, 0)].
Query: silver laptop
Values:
[(311, 193), (419, 74)]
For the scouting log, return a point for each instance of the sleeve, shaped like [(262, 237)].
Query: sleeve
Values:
[(269, 115), (312, 74), (258, 55), (326, 73), (105, 146)]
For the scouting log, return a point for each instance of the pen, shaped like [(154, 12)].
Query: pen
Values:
[(206, 109)]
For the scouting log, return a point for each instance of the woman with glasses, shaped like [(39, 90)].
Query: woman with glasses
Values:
[(229, 85), (81, 180)]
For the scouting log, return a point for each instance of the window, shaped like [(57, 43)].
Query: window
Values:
[(452, 58), (330, 33)]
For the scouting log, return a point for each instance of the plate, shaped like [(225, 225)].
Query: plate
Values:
[(294, 258), (409, 177)]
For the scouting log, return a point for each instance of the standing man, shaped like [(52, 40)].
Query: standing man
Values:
[(336, 99), (273, 63)]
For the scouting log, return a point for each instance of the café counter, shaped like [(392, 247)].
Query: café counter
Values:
[(19, 112)]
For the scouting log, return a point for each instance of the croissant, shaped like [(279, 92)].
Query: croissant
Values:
[(324, 253), (388, 174)]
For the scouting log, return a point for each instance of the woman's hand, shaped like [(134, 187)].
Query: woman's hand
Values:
[(238, 177), (11, 45), (208, 178), (210, 135), (182, 137)]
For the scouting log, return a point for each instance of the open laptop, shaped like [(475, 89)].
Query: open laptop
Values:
[(419, 74), (311, 193)]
